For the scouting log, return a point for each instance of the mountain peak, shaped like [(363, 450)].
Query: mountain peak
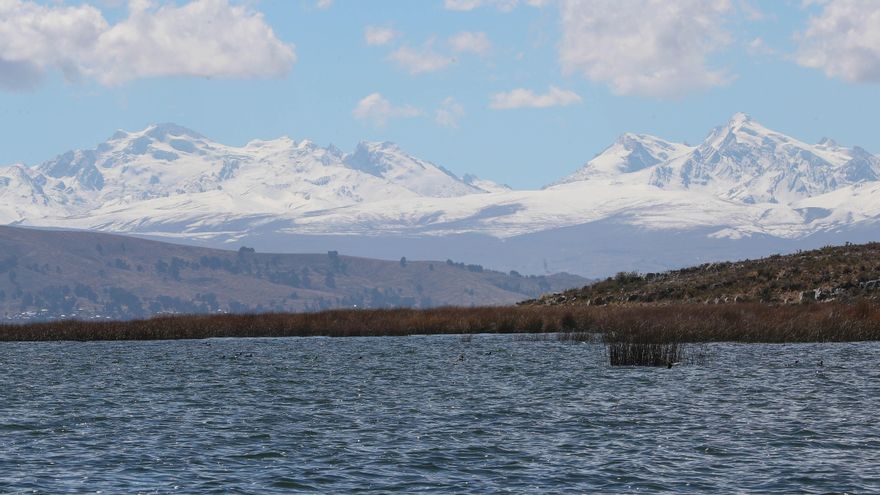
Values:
[(162, 131), (119, 134), (740, 130), (376, 157), (631, 141), (373, 146), (627, 139), (739, 119), (387, 160), (280, 142), (630, 153), (748, 162), (306, 144), (483, 184)]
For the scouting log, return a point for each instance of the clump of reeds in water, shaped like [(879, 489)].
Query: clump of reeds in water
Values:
[(579, 336), (624, 353)]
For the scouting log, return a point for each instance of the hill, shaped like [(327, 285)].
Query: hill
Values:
[(832, 273), (46, 274)]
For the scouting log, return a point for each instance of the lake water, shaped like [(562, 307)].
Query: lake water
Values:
[(434, 415)]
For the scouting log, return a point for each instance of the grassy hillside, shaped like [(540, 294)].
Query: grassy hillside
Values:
[(840, 273), (54, 273)]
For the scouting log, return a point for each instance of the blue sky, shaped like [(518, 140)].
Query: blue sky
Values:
[(526, 93)]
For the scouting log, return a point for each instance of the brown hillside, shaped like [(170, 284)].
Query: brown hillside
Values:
[(53, 273), (831, 273)]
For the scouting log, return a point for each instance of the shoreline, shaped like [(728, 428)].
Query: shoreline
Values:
[(676, 323)]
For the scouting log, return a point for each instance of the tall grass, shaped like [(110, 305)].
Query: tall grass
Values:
[(624, 353), (335, 323), (826, 322)]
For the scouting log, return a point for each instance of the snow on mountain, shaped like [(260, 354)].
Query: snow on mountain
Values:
[(484, 184), (386, 160), (744, 161), (742, 182), (23, 194), (630, 153), (169, 164)]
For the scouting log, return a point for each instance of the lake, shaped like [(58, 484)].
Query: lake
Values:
[(437, 414)]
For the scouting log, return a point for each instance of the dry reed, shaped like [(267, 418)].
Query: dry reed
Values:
[(825, 322)]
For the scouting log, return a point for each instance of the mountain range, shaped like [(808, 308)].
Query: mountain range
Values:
[(643, 203)]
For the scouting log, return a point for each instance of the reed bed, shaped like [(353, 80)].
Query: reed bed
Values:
[(679, 324), (627, 353)]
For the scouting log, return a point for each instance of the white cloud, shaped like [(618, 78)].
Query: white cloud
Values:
[(757, 46), (526, 98), (463, 5), (324, 4), (473, 42), (449, 113), (420, 60), (645, 47), (751, 12), (203, 38), (843, 41), (377, 35), (502, 5), (35, 37), (377, 110), (426, 58)]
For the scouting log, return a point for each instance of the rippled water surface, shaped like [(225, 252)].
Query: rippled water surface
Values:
[(434, 415)]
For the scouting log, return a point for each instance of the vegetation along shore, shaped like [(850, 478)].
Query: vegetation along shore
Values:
[(643, 319), (685, 323)]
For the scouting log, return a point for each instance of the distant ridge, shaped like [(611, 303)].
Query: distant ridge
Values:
[(54, 274)]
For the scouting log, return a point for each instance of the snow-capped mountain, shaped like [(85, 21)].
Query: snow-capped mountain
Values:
[(387, 161), (484, 184), (741, 161), (747, 162), (642, 203), (23, 196), (630, 153), (168, 163)]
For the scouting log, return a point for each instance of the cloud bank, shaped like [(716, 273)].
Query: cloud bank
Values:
[(470, 42), (420, 60), (378, 35), (449, 113), (843, 41), (644, 47), (377, 110), (502, 5), (526, 98), (202, 38)]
